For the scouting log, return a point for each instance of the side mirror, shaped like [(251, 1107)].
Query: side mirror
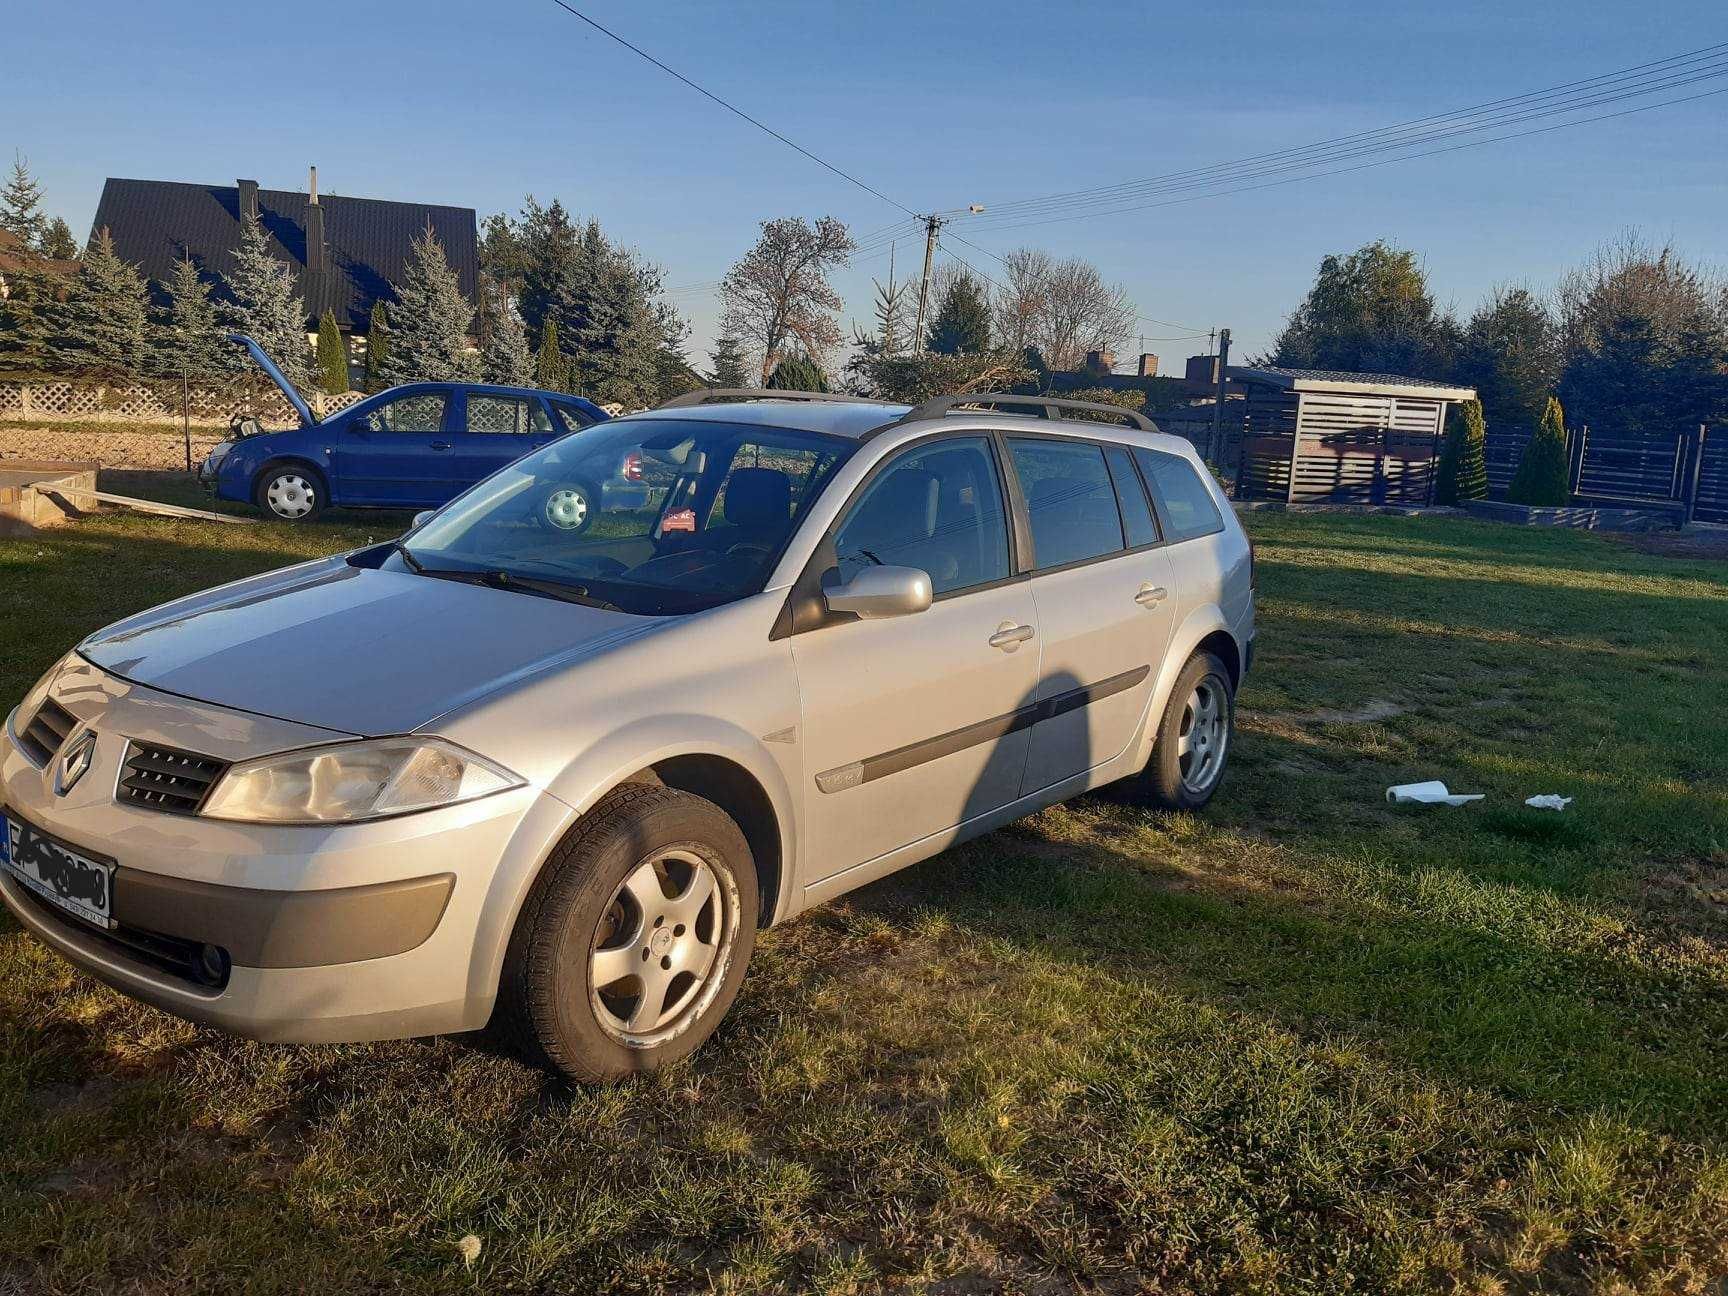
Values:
[(422, 518), (879, 592)]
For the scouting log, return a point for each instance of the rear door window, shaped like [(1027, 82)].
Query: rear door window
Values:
[(1138, 526), (503, 414), (1188, 506), (1070, 500)]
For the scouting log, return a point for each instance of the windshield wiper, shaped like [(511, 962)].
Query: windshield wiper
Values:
[(414, 564), (497, 578), (569, 592)]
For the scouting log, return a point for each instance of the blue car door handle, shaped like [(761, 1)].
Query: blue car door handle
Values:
[(440, 445)]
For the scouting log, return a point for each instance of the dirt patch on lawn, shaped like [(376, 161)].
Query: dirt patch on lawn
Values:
[(1370, 712), (1710, 544)]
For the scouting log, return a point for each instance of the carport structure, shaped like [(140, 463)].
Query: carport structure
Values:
[(1319, 436)]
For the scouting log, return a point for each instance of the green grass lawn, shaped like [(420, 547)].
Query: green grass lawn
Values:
[(1307, 1042)]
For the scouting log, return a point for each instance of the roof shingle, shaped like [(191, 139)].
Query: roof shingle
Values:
[(155, 223)]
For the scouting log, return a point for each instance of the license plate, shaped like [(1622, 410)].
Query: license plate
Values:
[(65, 878)]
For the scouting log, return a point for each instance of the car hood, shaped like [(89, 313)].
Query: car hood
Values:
[(357, 649)]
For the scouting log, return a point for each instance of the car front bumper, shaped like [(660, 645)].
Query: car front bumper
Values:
[(328, 933)]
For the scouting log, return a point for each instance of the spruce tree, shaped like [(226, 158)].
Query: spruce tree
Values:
[(430, 342), (504, 354), (1463, 470), (962, 323), (21, 206), (728, 360), (58, 243), (266, 305), (102, 327), (1542, 478), (798, 372), (29, 318), (332, 356), (377, 347), (188, 339), (551, 372)]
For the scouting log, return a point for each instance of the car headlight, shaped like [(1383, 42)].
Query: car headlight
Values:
[(357, 780)]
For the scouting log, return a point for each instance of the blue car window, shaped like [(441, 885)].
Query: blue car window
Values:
[(573, 417), (421, 412), (502, 414)]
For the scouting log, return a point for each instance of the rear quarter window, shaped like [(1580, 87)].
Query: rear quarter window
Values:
[(1187, 503)]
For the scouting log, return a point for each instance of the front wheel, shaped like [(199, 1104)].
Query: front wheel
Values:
[(570, 507), (290, 493), (1193, 742), (635, 939)]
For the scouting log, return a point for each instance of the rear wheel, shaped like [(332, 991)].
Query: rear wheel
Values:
[(290, 493), (1193, 742), (635, 939)]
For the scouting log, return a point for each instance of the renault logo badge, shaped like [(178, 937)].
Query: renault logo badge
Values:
[(74, 763)]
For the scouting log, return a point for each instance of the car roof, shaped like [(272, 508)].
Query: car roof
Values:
[(856, 419), (851, 419)]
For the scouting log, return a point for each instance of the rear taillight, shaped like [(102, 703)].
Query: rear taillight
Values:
[(633, 466)]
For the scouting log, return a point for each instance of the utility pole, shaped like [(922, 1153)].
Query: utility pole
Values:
[(1213, 449), (932, 225)]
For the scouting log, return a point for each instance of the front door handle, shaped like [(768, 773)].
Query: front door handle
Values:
[(1151, 595), (440, 445), (1010, 636)]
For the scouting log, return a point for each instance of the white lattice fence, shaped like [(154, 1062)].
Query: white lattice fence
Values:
[(145, 403)]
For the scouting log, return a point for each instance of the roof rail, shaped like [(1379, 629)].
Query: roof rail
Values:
[(1051, 407), (711, 395)]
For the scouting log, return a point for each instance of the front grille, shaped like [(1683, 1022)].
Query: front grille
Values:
[(165, 779), (179, 958), (47, 730)]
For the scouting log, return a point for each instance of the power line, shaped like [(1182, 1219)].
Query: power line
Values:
[(1364, 166), (731, 108), (1570, 95)]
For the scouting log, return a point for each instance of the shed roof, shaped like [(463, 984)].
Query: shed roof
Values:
[(158, 222), (1339, 380)]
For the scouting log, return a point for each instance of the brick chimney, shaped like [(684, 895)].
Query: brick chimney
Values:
[(248, 199), (315, 256), (1148, 365)]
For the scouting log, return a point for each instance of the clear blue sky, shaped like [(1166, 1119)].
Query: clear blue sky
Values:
[(935, 103)]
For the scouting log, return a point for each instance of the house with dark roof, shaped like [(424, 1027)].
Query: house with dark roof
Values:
[(345, 252)]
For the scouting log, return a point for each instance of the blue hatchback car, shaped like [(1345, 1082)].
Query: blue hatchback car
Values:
[(412, 447)]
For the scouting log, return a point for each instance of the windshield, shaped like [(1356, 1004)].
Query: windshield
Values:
[(653, 516)]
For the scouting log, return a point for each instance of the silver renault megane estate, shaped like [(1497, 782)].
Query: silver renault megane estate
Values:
[(559, 777)]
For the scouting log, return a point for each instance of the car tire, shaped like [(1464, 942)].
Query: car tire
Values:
[(1193, 745), (291, 493), (621, 962), (569, 508)]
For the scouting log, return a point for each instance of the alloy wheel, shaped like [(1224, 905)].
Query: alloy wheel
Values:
[(1203, 736), (662, 947)]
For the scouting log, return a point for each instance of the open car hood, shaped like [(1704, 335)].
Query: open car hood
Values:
[(307, 418)]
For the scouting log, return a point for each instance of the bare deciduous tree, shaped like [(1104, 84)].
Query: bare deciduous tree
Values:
[(778, 292), (1062, 307)]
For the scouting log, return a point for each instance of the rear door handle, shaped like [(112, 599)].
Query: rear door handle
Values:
[(440, 445), (1151, 595), (1009, 636)]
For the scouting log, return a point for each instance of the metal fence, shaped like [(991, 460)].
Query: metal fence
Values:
[(1685, 471)]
